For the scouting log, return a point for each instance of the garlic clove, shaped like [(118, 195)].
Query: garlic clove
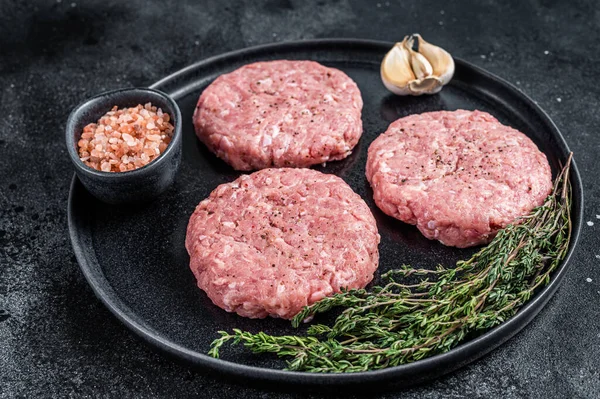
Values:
[(419, 64), (441, 61), (396, 70), (409, 71)]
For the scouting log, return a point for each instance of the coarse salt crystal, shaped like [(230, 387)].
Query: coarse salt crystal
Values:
[(590, 223)]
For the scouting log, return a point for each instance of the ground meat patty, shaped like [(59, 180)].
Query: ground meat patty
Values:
[(274, 241), (280, 113), (459, 176)]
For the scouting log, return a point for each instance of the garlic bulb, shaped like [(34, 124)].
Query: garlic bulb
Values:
[(406, 71)]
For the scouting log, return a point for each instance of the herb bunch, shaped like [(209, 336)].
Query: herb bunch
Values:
[(398, 323)]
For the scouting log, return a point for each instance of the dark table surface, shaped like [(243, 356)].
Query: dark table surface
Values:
[(57, 339)]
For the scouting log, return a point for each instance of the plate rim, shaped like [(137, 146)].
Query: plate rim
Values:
[(470, 350)]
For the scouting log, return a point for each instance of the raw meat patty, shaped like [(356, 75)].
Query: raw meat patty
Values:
[(274, 241), (280, 113), (459, 176)]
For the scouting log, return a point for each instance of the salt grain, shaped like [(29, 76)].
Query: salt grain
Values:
[(153, 137), (134, 137), (590, 223), (597, 216), (589, 280)]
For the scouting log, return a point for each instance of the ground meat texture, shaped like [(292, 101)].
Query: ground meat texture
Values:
[(277, 240), (280, 113), (459, 176)]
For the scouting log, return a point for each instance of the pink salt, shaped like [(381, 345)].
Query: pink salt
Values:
[(125, 139)]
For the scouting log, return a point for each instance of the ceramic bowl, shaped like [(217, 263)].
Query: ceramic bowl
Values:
[(138, 185)]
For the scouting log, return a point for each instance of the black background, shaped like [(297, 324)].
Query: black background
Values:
[(56, 339)]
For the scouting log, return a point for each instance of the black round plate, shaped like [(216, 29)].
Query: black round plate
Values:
[(134, 256)]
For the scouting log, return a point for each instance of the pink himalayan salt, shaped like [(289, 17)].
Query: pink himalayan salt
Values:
[(125, 139)]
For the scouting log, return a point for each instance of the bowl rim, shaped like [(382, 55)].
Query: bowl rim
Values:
[(74, 117)]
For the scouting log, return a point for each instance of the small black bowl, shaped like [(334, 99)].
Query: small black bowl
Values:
[(137, 185)]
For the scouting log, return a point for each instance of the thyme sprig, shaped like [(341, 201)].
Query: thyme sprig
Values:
[(398, 323)]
